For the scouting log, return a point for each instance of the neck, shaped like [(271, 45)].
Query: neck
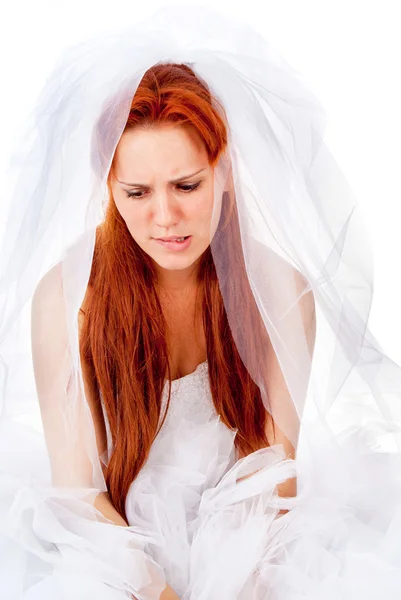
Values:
[(177, 281)]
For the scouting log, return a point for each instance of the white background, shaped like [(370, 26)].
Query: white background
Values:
[(348, 49)]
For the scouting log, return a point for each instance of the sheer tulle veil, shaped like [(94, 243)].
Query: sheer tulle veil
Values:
[(308, 264)]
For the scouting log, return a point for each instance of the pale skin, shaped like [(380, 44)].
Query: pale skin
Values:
[(167, 162)]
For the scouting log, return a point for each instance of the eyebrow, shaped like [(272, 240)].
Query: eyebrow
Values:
[(171, 181)]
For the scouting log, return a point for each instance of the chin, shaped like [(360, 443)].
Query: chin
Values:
[(174, 263)]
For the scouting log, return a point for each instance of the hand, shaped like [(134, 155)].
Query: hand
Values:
[(167, 594)]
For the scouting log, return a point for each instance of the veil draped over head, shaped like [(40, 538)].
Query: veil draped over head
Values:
[(295, 275)]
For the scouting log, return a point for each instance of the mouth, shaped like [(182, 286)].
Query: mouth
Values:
[(175, 243), (173, 238)]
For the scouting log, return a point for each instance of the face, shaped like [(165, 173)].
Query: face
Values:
[(163, 185)]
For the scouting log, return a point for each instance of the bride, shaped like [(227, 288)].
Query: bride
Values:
[(215, 418)]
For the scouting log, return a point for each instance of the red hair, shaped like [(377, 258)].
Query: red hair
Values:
[(123, 337)]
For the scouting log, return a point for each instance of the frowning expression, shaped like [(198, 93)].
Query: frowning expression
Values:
[(163, 185)]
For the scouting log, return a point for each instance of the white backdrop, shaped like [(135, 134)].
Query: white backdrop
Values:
[(348, 49)]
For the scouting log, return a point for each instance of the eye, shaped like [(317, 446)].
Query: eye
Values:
[(191, 187), (186, 188), (134, 195)]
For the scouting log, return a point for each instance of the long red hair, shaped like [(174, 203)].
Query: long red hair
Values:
[(123, 336)]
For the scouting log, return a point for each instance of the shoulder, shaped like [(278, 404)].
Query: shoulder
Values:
[(49, 284), (266, 256), (49, 288), (48, 298), (273, 266)]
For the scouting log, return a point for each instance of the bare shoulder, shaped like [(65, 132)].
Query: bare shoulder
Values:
[(48, 298), (265, 257), (49, 287)]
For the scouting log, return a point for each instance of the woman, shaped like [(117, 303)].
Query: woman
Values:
[(174, 378)]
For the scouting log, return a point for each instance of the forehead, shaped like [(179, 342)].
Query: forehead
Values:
[(163, 152)]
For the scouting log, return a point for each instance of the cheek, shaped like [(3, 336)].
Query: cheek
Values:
[(205, 207), (199, 217), (133, 217), (137, 223)]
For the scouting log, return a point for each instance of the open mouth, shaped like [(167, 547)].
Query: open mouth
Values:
[(176, 243), (178, 240)]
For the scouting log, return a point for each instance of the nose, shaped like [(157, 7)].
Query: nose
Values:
[(166, 210)]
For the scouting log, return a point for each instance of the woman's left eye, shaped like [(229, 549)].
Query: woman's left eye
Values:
[(189, 187)]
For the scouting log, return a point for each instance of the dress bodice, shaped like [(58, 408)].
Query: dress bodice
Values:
[(190, 397), (191, 452)]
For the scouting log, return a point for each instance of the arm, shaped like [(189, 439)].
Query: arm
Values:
[(277, 390), (277, 385), (73, 463), (104, 505)]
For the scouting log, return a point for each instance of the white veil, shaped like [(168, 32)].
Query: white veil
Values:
[(336, 395)]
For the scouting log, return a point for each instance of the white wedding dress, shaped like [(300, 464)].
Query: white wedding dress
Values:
[(210, 522), (221, 539)]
